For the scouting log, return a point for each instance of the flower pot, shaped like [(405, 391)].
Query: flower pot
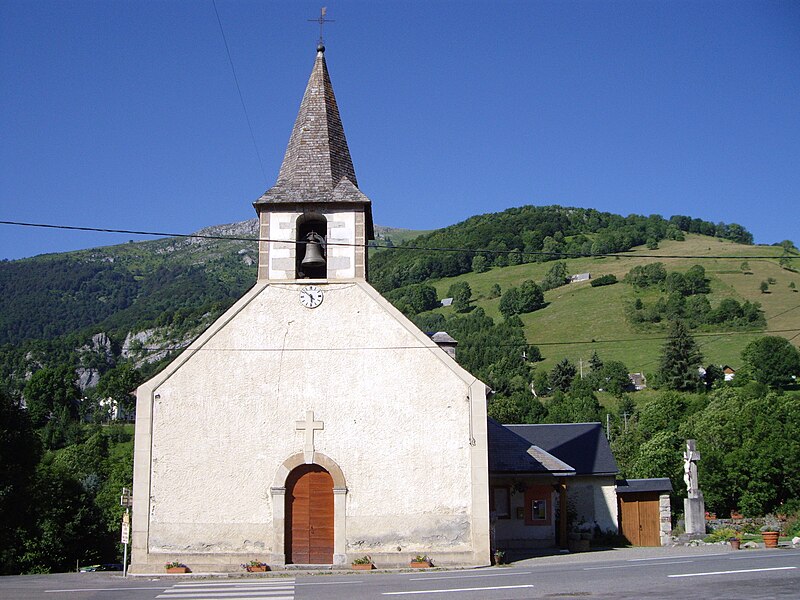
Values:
[(362, 567), (177, 569), (578, 545), (256, 568), (735, 543), (770, 538), (422, 564)]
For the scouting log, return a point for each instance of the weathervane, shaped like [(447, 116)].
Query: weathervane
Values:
[(321, 20)]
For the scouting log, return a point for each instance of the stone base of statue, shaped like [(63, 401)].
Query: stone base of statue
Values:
[(694, 510)]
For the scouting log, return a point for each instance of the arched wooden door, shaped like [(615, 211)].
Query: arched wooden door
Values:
[(309, 516)]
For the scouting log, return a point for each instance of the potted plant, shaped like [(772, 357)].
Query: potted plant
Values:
[(499, 557), (176, 567), (770, 531), (255, 566), (735, 542), (421, 561), (362, 564)]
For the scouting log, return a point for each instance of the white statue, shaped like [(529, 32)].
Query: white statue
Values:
[(690, 458)]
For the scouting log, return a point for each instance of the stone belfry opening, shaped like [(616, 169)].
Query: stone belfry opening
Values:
[(311, 251)]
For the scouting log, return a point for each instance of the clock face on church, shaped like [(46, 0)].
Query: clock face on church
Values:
[(311, 296)]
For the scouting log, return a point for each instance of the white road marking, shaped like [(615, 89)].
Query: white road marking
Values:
[(201, 597), (472, 576), (673, 562), (277, 589), (732, 572), (236, 594), (234, 586), (672, 557), (331, 582), (119, 589), (751, 556), (451, 590)]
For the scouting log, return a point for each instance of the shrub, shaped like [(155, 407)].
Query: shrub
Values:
[(604, 280)]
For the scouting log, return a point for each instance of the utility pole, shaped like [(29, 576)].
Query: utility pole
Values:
[(608, 427), (625, 416)]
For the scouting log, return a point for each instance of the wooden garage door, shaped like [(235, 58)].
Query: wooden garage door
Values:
[(639, 518), (309, 516)]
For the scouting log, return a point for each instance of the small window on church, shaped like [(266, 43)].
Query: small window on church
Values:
[(500, 501), (537, 505)]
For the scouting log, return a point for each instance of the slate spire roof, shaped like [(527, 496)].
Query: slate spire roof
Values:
[(317, 166)]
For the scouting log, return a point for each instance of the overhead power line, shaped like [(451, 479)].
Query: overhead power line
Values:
[(422, 347), (399, 248), (239, 89)]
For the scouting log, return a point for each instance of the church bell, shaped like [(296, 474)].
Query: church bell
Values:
[(313, 256)]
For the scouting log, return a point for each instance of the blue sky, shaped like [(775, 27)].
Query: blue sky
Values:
[(124, 114)]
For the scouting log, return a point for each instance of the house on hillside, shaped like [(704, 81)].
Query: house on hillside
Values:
[(580, 277), (638, 381), (729, 372), (539, 472), (445, 341)]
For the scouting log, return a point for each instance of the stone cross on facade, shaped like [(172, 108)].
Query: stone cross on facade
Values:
[(309, 426), (690, 457)]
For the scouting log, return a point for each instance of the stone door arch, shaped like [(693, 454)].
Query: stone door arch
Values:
[(293, 470)]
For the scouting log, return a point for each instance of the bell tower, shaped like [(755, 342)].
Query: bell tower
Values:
[(314, 222)]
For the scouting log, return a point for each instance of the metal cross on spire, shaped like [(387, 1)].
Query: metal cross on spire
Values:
[(321, 20)]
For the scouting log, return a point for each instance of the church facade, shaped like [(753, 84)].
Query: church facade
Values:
[(312, 423)]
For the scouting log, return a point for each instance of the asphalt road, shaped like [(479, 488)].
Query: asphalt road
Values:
[(709, 572)]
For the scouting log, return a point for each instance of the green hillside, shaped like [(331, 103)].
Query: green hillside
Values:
[(580, 319)]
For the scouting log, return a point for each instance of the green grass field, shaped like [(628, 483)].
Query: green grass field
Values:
[(580, 319)]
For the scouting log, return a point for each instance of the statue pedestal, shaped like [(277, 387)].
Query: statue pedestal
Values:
[(694, 510)]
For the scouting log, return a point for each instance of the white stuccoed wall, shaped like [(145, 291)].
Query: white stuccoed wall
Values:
[(398, 417)]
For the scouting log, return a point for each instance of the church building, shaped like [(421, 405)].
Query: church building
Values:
[(312, 423)]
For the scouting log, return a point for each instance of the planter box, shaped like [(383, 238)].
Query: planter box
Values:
[(177, 570), (362, 567), (578, 545), (256, 568), (424, 564)]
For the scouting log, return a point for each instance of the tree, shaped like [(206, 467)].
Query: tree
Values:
[(19, 452), (771, 360), (764, 287), (50, 389), (579, 405), (530, 298), (509, 302), (713, 375), (461, 294), (680, 359), (562, 375), (613, 377), (118, 384), (696, 282), (595, 363), (747, 462), (496, 291), (480, 264), (556, 276)]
